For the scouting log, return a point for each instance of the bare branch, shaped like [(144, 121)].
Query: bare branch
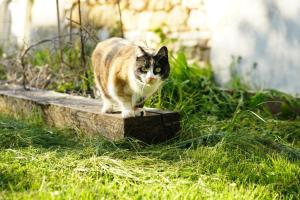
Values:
[(120, 18), (60, 41), (24, 81), (91, 35), (83, 60)]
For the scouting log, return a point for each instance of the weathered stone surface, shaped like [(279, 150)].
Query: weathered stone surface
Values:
[(192, 38), (138, 5), (111, 1), (124, 4), (145, 38), (130, 21), (66, 111), (177, 17), (144, 20), (158, 19), (149, 20), (102, 1), (175, 2), (92, 2), (165, 5), (104, 15), (192, 3), (197, 20)]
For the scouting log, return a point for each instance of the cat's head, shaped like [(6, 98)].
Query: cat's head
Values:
[(151, 67)]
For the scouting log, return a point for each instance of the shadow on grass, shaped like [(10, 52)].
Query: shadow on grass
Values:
[(18, 134), (250, 139), (18, 180)]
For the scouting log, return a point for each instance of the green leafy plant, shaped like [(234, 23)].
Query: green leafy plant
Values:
[(191, 89)]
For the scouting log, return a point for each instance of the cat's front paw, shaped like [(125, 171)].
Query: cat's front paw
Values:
[(107, 109), (128, 113), (140, 112)]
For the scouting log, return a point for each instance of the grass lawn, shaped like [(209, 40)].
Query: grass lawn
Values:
[(230, 147), (236, 158)]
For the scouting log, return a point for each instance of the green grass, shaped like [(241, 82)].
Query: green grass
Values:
[(243, 158), (230, 147)]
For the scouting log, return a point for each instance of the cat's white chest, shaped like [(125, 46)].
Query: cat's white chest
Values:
[(148, 90), (145, 91)]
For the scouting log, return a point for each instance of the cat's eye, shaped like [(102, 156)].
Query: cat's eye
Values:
[(157, 70), (144, 69)]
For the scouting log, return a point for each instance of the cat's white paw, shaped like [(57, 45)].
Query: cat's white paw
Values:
[(140, 112), (128, 113), (107, 108)]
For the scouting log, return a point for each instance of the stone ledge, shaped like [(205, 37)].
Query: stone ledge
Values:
[(66, 111)]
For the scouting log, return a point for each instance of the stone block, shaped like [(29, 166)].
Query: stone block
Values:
[(124, 4), (197, 20), (103, 15), (144, 20), (158, 19), (165, 5), (177, 18), (192, 4), (175, 2), (92, 2), (144, 38), (130, 21), (138, 5)]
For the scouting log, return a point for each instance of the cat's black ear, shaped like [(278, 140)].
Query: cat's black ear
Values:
[(142, 50), (162, 52)]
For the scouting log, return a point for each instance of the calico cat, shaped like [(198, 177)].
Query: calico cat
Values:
[(127, 74)]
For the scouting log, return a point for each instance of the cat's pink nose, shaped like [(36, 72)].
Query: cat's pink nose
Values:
[(150, 79)]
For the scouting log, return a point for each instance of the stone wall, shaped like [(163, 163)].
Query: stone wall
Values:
[(180, 24), (264, 34), (181, 21)]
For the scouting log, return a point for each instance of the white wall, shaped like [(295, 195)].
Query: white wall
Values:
[(44, 19), (263, 31), (31, 22)]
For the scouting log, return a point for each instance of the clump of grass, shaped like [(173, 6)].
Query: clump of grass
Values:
[(192, 90)]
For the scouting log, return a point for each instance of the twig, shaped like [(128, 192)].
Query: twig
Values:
[(81, 36), (58, 26), (60, 41), (83, 61), (120, 18), (70, 18), (24, 81), (23, 61), (95, 39)]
